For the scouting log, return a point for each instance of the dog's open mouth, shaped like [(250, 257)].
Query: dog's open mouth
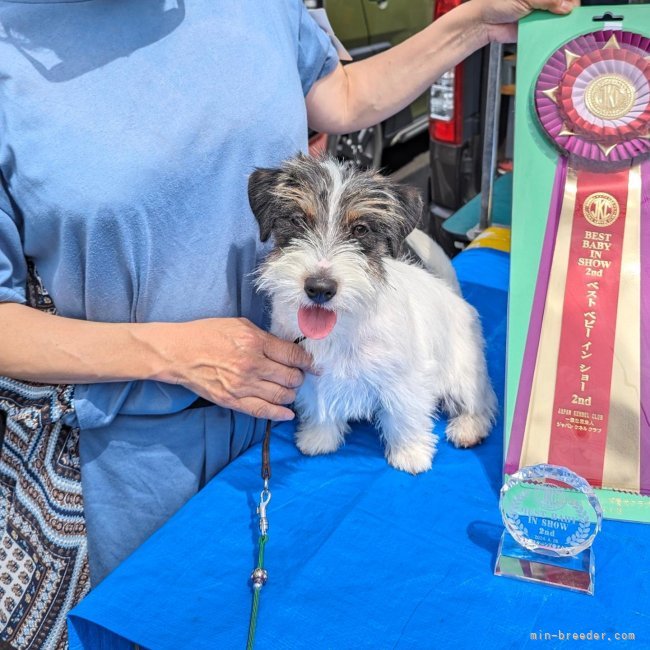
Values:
[(316, 322)]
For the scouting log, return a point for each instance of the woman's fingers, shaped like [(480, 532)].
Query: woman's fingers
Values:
[(262, 410), (286, 353), (274, 393), (280, 374), (237, 365), (555, 6), (500, 18)]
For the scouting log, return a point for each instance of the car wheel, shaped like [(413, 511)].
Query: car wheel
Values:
[(363, 147)]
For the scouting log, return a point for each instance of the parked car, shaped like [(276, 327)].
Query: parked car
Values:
[(367, 27), (456, 125)]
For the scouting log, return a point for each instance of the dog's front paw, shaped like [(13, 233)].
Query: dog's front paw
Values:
[(315, 439), (467, 430), (413, 458)]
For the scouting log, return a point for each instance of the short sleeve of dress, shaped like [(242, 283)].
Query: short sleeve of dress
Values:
[(317, 55), (13, 268)]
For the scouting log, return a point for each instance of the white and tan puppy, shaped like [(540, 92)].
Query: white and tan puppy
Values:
[(391, 341)]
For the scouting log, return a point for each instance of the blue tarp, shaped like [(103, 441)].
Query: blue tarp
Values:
[(361, 555)]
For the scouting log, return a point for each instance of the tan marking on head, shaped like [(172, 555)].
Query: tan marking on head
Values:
[(373, 204), (351, 216), (302, 197)]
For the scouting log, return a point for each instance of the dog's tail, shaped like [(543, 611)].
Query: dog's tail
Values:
[(433, 258)]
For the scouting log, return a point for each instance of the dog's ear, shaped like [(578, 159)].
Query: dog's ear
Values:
[(408, 217), (260, 196)]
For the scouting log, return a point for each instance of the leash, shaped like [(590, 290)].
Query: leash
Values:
[(260, 575)]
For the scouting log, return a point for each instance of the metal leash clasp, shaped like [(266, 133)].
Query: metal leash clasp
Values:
[(265, 497)]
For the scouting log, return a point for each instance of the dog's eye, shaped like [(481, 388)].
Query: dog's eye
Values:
[(296, 220), (360, 230)]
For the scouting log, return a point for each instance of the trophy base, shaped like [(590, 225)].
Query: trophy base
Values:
[(576, 572)]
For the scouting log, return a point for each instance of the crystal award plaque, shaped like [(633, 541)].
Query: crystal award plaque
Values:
[(551, 516)]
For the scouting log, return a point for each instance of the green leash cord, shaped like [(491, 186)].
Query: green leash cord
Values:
[(259, 575)]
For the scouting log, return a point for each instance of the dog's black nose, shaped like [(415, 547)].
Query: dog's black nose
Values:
[(320, 290)]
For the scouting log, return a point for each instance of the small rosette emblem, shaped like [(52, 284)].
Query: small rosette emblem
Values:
[(593, 97)]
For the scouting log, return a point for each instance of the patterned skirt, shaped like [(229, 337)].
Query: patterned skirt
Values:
[(43, 549)]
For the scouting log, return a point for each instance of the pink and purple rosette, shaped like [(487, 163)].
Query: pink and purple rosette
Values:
[(592, 98), (560, 98)]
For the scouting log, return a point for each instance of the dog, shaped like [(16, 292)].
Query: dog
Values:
[(391, 341)]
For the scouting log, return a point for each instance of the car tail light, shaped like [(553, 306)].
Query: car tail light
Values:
[(446, 103), (444, 6)]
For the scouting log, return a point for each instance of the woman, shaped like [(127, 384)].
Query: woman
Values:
[(128, 131)]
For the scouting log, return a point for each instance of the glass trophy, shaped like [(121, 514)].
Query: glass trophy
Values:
[(551, 516)]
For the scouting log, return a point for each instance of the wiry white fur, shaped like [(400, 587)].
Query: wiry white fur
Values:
[(401, 348), (433, 258), (336, 188), (283, 276)]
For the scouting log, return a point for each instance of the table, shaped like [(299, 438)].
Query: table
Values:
[(361, 555)]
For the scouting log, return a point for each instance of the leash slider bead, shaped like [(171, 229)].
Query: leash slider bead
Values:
[(259, 578)]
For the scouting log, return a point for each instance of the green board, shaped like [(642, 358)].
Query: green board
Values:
[(540, 35)]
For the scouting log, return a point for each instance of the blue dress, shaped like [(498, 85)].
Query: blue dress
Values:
[(127, 134)]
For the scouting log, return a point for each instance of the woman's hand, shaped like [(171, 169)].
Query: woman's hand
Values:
[(228, 361), (233, 363), (499, 17)]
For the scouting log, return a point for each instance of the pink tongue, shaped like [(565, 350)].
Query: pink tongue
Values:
[(316, 322)]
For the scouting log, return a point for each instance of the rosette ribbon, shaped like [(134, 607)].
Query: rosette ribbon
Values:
[(583, 400)]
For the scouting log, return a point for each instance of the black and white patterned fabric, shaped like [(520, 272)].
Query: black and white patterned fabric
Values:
[(43, 549)]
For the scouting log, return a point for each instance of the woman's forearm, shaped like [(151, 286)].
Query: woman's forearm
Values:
[(37, 346), (228, 361), (367, 92)]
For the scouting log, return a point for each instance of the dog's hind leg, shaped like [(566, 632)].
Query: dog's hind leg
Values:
[(471, 407), (466, 390), (468, 429)]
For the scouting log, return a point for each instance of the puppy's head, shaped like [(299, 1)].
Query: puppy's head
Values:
[(334, 227)]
